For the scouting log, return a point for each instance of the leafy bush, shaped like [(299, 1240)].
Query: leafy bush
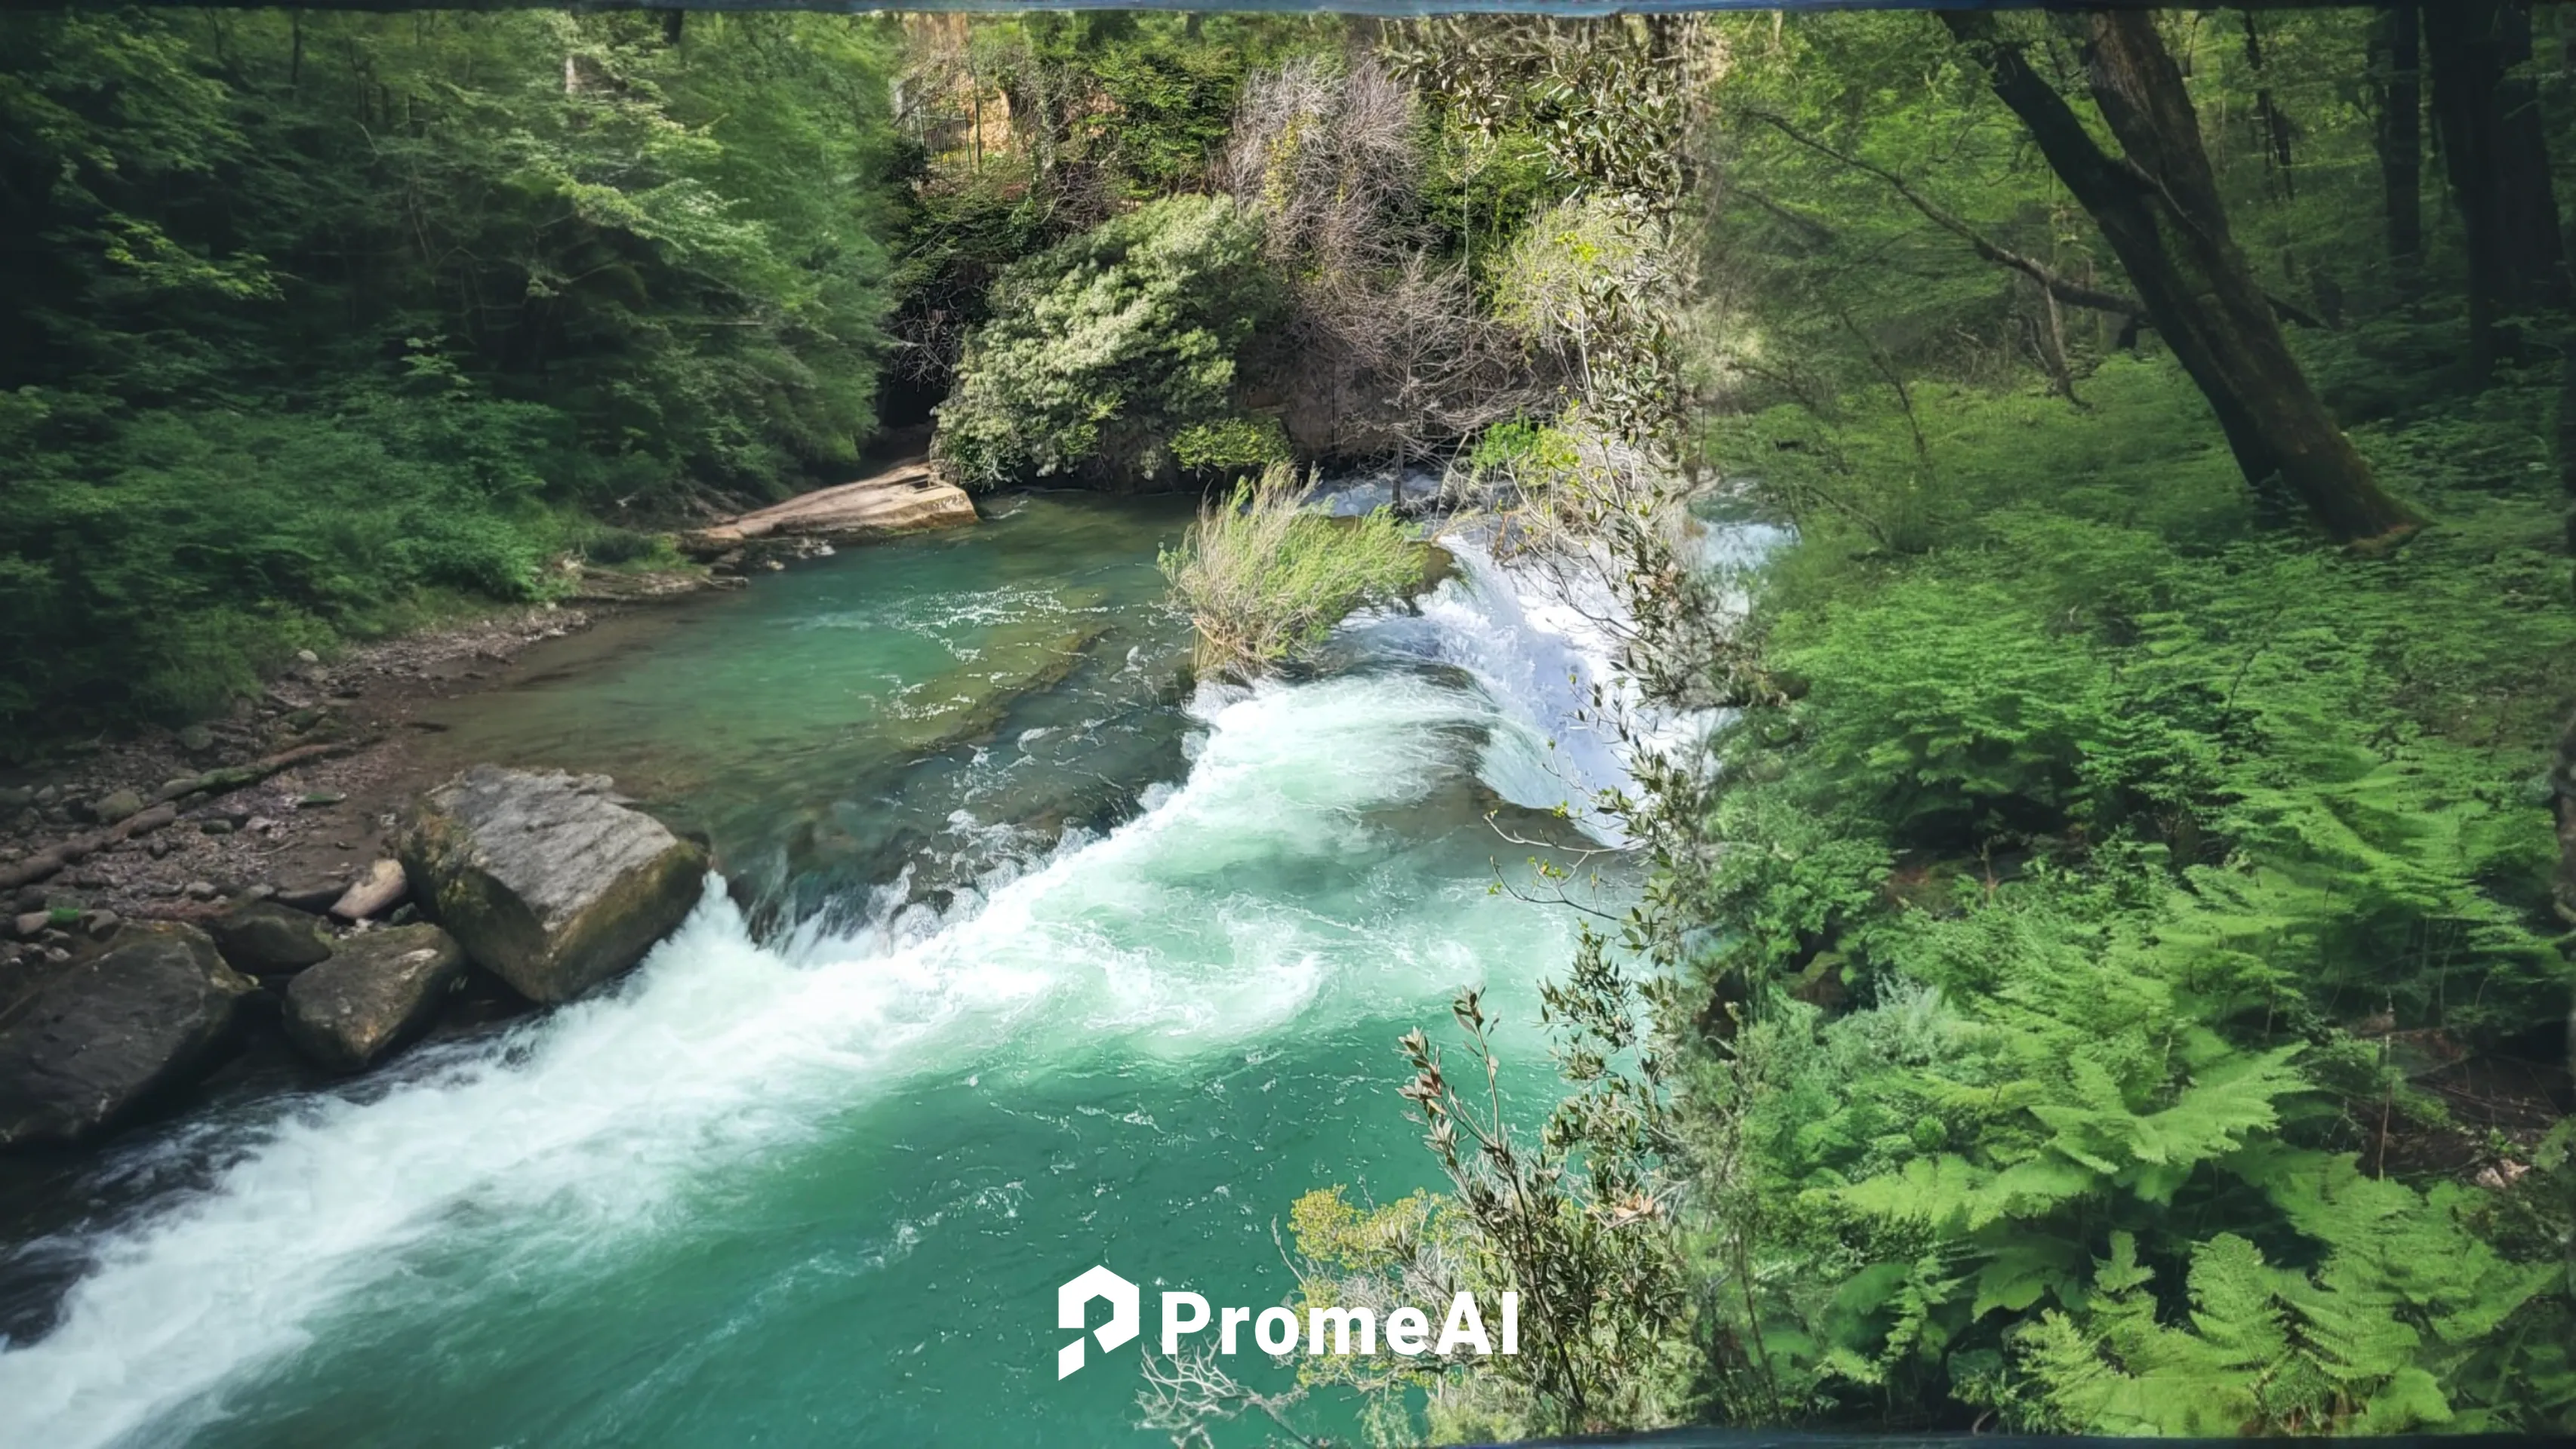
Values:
[(1567, 262), (1230, 447), (1265, 581), (1102, 350), (469, 553), (158, 566)]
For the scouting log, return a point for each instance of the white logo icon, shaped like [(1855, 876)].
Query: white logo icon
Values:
[(1071, 1299)]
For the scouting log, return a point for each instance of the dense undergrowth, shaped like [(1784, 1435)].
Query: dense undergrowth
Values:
[(2136, 934)]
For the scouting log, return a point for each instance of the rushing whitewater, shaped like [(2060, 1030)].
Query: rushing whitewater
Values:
[(1313, 877)]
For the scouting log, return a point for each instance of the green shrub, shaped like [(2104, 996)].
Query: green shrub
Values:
[(1104, 349), (1231, 446), (1265, 581), (471, 553)]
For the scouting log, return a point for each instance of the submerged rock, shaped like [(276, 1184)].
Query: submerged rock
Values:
[(104, 1037), (547, 880), (376, 992), (267, 939)]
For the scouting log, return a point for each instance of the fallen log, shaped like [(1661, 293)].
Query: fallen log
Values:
[(904, 499), (234, 777), (47, 862)]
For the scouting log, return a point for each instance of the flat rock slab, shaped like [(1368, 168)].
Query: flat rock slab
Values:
[(379, 990), (548, 880), (104, 1037), (906, 499)]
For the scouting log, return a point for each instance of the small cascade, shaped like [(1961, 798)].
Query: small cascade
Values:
[(1258, 903)]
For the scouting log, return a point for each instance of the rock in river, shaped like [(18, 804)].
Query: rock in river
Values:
[(376, 992), (547, 880), (266, 939), (102, 1038)]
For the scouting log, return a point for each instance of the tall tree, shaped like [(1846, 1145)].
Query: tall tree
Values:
[(2486, 109), (2397, 54), (2159, 207)]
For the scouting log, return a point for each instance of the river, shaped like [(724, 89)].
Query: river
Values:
[(1035, 957)]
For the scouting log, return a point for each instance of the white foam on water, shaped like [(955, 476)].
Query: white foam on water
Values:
[(1182, 931), (1541, 648)]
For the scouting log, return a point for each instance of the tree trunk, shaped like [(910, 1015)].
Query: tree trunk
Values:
[(2398, 43), (2269, 117), (2497, 158), (2562, 779), (2159, 208)]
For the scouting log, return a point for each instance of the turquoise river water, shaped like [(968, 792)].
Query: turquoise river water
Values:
[(1049, 959)]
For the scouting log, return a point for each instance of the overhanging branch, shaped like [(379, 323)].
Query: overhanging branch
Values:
[(2064, 289)]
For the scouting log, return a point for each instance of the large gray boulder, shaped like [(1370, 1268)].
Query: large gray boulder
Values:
[(548, 880), (104, 1037), (376, 992)]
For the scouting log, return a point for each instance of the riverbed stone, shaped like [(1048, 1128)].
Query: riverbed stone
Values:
[(315, 894), (100, 1040), (378, 991), (382, 888), (267, 939), (117, 805), (548, 880)]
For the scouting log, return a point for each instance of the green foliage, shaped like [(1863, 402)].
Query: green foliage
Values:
[(1265, 580), (2133, 838), (1104, 109), (1569, 263), (2350, 1348), (1231, 446), (2080, 938), (1139, 104), (1103, 349), (1576, 1220), (159, 570), (324, 316)]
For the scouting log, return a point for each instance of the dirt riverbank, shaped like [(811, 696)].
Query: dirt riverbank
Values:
[(350, 728)]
